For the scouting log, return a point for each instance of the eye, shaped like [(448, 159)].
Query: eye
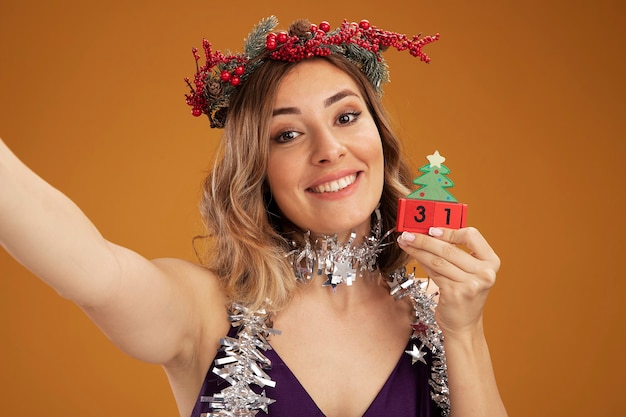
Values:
[(286, 136), (348, 117)]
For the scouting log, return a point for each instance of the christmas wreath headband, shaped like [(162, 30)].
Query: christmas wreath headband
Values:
[(361, 43)]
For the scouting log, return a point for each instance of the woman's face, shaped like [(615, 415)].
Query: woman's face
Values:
[(326, 165)]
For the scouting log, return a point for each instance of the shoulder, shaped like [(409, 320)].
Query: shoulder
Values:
[(207, 317), (196, 282), (205, 299)]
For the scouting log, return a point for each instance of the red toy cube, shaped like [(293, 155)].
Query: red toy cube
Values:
[(417, 216)]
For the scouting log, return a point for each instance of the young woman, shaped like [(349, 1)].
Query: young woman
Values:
[(295, 289)]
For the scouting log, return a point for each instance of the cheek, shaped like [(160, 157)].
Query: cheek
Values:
[(375, 155), (378, 165), (281, 188), (281, 175)]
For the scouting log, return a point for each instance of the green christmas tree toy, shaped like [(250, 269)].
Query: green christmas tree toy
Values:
[(431, 205)]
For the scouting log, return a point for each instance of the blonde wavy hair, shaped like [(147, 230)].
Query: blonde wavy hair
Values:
[(248, 247)]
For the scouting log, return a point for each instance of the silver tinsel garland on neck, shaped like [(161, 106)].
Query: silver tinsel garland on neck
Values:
[(338, 262), (244, 363)]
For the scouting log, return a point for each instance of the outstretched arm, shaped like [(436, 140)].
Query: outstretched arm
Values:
[(151, 310), (464, 279)]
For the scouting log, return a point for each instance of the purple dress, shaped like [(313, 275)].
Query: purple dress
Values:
[(406, 392)]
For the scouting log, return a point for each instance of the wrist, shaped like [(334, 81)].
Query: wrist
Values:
[(468, 332)]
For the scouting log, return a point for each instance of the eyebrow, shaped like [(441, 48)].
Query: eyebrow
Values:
[(327, 103)]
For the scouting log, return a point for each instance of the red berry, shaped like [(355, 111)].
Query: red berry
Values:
[(270, 44), (196, 112), (240, 70), (235, 80), (225, 75), (325, 26), (282, 37), (313, 28), (364, 24)]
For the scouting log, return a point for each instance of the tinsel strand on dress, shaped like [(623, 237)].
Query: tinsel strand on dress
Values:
[(243, 365), (426, 331)]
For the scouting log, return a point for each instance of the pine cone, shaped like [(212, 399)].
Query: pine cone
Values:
[(214, 89), (219, 118), (300, 28)]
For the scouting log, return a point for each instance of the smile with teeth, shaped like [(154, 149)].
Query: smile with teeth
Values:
[(334, 186)]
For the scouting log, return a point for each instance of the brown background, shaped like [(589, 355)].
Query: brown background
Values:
[(524, 98)]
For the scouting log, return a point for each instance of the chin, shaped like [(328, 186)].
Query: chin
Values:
[(342, 225)]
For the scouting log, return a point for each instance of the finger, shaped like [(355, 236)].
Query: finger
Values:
[(440, 269), (454, 281), (469, 237), (438, 254)]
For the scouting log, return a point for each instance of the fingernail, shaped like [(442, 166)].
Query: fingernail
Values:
[(407, 237), (435, 232)]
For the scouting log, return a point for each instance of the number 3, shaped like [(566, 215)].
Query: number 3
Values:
[(421, 211)]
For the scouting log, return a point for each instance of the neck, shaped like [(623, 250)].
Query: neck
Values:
[(343, 299), (340, 262)]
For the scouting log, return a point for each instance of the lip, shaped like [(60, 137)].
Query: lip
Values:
[(335, 176)]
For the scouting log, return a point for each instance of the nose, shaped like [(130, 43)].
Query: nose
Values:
[(327, 148)]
